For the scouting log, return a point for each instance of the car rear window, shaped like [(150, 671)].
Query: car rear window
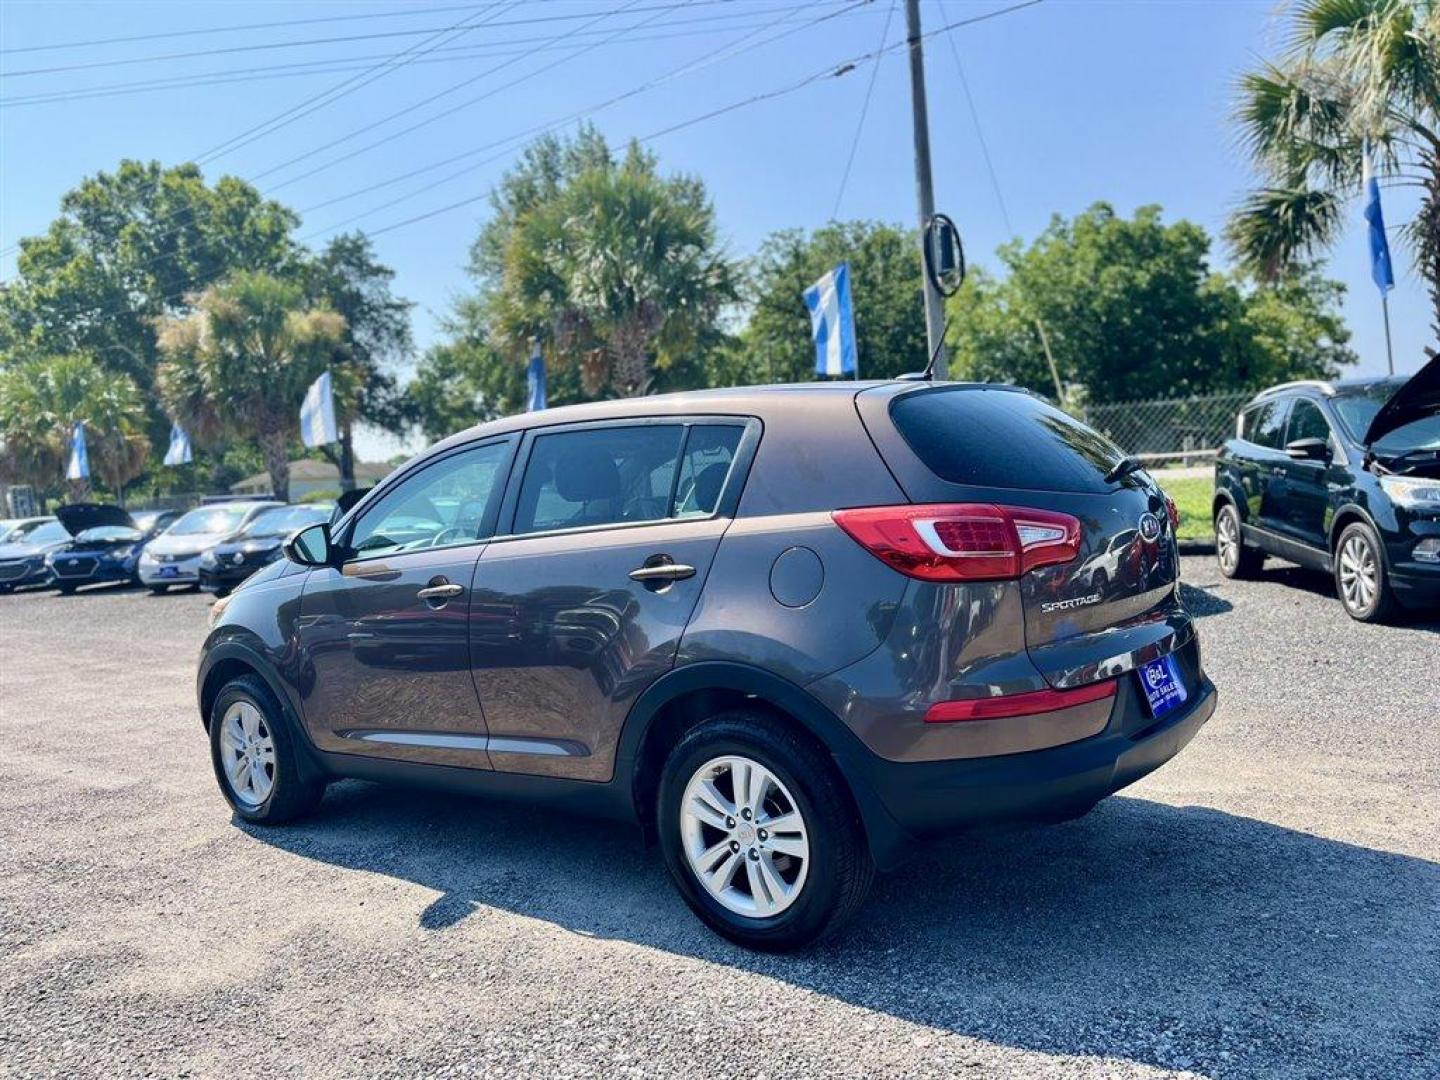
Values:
[(1003, 438)]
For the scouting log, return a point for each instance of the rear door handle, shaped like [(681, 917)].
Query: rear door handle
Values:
[(440, 592), (662, 572)]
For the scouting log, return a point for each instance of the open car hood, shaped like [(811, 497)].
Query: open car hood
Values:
[(81, 516), (1415, 400)]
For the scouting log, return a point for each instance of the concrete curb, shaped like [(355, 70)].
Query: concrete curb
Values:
[(1197, 547)]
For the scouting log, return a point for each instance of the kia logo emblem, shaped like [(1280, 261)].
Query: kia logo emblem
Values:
[(1149, 527)]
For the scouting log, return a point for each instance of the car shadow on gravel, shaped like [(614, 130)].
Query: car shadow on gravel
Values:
[(1200, 602), (1323, 585), (1178, 937)]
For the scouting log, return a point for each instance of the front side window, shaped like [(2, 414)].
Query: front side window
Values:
[(442, 505), (1307, 422), (613, 475)]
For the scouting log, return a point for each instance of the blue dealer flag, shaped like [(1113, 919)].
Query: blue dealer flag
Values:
[(535, 380), (832, 323), (79, 456), (1380, 269), (317, 413), (179, 451)]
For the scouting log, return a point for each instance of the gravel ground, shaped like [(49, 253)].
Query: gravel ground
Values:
[(1266, 905)]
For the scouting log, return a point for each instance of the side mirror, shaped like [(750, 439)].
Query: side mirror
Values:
[(1309, 449), (310, 546)]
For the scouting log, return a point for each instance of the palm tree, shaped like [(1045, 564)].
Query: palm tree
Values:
[(619, 272), (40, 402), (1358, 71), (240, 362)]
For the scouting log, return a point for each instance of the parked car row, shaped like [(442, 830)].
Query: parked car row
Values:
[(213, 547)]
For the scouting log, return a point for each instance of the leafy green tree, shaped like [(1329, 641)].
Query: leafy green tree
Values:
[(347, 278), (614, 268), (1132, 310), (40, 401), (885, 284), (465, 380), (239, 364), (128, 248), (1356, 71)]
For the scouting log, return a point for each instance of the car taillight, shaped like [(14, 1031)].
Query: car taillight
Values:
[(963, 541), (1030, 703), (1174, 513)]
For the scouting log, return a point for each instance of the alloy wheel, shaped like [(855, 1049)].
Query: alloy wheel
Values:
[(1227, 540), (1359, 573), (247, 754), (744, 836)]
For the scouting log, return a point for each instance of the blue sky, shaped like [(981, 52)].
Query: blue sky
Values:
[(1080, 100)]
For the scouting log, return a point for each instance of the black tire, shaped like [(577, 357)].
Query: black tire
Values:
[(297, 787), (839, 871), (159, 590), (1234, 558), (1359, 548)]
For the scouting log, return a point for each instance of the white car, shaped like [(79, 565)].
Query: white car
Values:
[(173, 557)]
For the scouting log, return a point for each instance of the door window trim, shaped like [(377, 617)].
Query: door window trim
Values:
[(503, 476), (725, 505)]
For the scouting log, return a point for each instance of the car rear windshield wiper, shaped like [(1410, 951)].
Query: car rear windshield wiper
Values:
[(1124, 468)]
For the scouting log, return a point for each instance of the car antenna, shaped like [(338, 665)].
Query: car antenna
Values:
[(928, 375)]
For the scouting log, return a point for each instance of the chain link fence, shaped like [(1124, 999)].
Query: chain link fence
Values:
[(1171, 431)]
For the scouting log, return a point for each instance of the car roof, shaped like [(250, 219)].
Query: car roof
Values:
[(762, 401), (1329, 389)]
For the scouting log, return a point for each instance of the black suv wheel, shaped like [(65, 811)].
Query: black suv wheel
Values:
[(759, 835), (1235, 559), (257, 762), (1360, 576)]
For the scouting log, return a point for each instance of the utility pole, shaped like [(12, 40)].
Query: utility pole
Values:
[(934, 310)]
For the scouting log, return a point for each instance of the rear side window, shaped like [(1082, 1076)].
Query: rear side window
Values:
[(1264, 424), (613, 475), (1003, 438)]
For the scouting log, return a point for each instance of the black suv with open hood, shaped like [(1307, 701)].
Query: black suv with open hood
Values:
[(1343, 477)]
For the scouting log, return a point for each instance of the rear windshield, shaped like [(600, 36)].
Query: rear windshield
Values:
[(1003, 438)]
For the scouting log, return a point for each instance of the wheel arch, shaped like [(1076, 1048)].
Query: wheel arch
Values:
[(1224, 497), (228, 661), (1344, 517), (688, 694)]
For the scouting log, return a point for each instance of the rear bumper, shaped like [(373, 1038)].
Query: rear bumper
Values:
[(933, 799)]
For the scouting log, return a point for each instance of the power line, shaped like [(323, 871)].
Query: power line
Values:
[(979, 129), (729, 51), (864, 109), (332, 65), (355, 133), (286, 117), (830, 71), (259, 47), (234, 29), (312, 103)]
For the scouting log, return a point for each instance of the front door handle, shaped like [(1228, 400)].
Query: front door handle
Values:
[(668, 571), (441, 591)]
